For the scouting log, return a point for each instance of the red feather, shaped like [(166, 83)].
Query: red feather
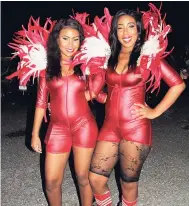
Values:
[(155, 26), (26, 38)]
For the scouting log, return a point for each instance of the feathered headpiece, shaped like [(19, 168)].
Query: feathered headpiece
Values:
[(30, 47), (154, 48)]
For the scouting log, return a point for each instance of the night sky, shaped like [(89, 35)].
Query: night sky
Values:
[(14, 14)]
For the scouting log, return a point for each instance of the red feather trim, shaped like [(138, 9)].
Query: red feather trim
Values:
[(155, 26), (23, 42)]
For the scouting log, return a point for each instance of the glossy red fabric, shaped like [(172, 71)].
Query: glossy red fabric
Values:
[(72, 122), (123, 91)]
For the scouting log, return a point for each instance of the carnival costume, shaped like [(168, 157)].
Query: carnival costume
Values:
[(72, 121), (124, 90), (128, 88)]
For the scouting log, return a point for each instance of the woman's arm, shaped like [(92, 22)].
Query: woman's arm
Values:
[(177, 86), (41, 105), (38, 118), (101, 97), (35, 140), (96, 84), (171, 96)]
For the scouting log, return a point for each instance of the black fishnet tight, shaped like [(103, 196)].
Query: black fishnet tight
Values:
[(132, 156)]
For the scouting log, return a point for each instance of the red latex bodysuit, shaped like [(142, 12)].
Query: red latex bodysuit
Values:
[(72, 122), (123, 91)]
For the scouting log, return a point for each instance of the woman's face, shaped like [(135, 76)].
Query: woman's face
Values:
[(69, 42), (127, 32)]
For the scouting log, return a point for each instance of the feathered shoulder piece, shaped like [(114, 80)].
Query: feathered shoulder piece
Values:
[(30, 46), (95, 50), (154, 48)]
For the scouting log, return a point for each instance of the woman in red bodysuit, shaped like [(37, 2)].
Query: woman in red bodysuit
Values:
[(126, 133), (72, 124)]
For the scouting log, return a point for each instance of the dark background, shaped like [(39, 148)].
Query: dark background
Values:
[(15, 14)]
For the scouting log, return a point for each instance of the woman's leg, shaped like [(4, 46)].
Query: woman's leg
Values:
[(103, 161), (54, 171), (82, 160), (132, 158)]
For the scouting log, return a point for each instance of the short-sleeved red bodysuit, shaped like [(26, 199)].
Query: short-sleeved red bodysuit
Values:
[(72, 121), (123, 91)]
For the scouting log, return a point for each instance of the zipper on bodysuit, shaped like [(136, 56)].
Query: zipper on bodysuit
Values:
[(119, 96), (67, 102)]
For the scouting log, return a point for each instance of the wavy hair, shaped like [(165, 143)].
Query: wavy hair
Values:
[(53, 51), (116, 45)]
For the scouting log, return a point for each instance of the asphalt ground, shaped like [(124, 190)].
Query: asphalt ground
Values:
[(164, 179)]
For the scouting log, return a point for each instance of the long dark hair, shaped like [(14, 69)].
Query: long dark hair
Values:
[(116, 45), (53, 51)]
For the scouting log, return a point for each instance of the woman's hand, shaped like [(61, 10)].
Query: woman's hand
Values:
[(49, 108), (142, 111), (36, 143), (89, 96)]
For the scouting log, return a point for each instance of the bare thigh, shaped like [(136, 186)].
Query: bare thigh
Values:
[(82, 159), (55, 165)]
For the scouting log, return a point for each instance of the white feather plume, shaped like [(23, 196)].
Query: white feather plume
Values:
[(35, 58), (95, 47), (87, 71), (150, 48)]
